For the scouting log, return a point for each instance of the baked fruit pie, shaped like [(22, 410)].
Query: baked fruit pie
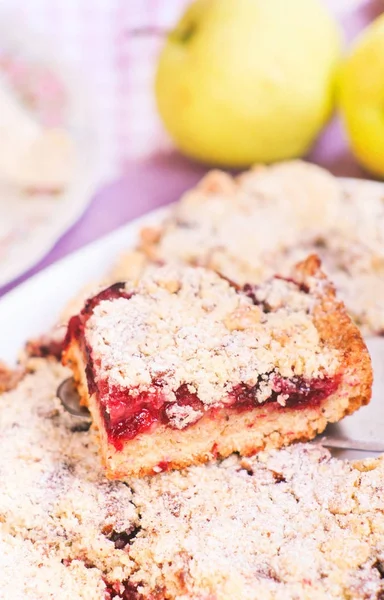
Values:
[(289, 524), (181, 366)]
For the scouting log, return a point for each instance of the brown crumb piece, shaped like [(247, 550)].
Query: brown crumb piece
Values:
[(45, 347), (9, 378)]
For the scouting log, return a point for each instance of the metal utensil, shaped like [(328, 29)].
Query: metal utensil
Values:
[(345, 444), (364, 430), (70, 399)]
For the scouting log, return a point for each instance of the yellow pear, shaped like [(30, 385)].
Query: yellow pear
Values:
[(361, 97), (245, 81)]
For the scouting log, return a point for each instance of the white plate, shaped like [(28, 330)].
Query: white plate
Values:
[(31, 224), (37, 224), (33, 307)]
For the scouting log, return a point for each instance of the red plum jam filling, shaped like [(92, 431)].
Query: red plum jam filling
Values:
[(128, 413)]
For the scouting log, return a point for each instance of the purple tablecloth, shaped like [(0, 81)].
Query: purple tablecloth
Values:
[(159, 180)]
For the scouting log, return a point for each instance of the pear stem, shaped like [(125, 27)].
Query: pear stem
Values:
[(148, 31)]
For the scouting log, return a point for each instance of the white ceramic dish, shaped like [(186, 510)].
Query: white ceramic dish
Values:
[(31, 224), (34, 306)]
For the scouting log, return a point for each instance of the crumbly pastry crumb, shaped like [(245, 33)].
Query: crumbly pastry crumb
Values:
[(265, 220), (288, 524), (54, 493), (180, 366), (9, 378), (189, 326), (293, 524)]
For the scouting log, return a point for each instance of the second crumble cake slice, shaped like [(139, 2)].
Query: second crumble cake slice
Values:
[(181, 366)]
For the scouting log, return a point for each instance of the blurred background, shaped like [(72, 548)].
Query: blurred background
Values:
[(85, 69), (113, 47)]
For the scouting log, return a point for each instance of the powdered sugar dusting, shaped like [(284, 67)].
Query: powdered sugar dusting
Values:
[(53, 490), (289, 524), (185, 325), (269, 218)]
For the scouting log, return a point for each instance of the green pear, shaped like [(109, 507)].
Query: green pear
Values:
[(245, 81)]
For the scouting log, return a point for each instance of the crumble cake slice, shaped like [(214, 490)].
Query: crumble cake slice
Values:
[(260, 223), (181, 366), (292, 524)]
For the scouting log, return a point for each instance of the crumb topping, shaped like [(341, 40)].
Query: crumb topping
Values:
[(287, 524), (293, 523), (268, 218), (54, 494), (29, 572), (189, 326)]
